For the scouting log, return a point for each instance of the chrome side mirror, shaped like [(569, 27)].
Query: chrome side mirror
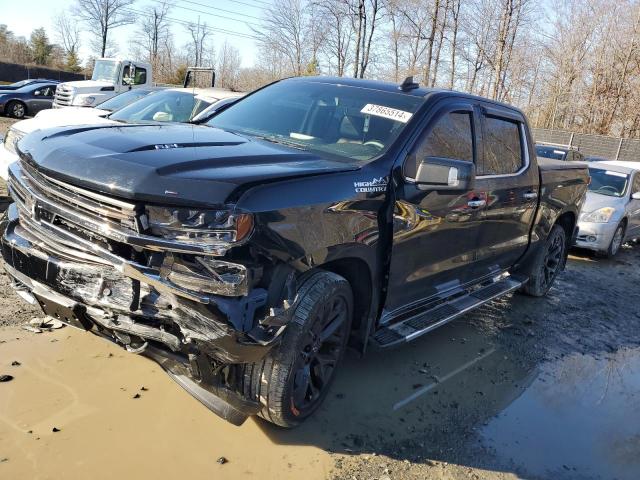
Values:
[(445, 174)]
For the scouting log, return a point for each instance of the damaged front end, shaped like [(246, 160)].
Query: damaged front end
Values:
[(158, 281)]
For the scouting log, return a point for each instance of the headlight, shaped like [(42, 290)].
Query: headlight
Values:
[(602, 215), (199, 227), (86, 101), (12, 139)]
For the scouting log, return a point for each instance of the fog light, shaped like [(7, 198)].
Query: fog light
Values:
[(591, 238)]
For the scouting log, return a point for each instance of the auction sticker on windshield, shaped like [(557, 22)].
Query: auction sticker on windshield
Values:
[(386, 112)]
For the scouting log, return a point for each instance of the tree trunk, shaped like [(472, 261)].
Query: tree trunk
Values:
[(432, 36)]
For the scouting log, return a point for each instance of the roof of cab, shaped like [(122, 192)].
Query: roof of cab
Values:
[(366, 83), (395, 88)]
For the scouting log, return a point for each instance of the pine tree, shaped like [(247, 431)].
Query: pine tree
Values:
[(73, 62), (40, 47)]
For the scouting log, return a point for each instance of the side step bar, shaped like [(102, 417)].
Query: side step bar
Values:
[(417, 325)]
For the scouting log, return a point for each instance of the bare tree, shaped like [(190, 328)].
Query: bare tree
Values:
[(284, 31), (155, 28), (455, 24), (102, 16), (338, 39), (198, 33), (228, 66), (67, 32)]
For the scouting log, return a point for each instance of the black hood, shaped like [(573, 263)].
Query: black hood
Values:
[(177, 164)]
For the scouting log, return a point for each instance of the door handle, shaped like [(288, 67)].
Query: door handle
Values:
[(530, 195), (476, 203)]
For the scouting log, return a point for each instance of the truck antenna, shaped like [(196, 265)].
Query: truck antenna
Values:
[(409, 84)]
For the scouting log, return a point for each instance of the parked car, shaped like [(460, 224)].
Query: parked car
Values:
[(168, 105), (592, 158), (611, 212), (27, 100), (245, 254), (554, 151), (23, 83), (172, 105)]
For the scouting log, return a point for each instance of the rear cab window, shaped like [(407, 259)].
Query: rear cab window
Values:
[(504, 146)]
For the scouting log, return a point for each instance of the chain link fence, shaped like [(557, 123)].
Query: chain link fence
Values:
[(613, 148)]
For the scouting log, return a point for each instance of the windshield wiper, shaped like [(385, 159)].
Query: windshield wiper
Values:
[(281, 141)]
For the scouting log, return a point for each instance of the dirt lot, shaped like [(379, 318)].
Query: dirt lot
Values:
[(531, 388)]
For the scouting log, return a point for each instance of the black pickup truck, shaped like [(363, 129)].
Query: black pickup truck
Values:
[(246, 254)]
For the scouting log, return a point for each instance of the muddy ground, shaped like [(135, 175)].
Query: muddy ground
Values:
[(528, 388)]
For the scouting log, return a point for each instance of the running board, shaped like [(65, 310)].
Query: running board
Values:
[(424, 322)]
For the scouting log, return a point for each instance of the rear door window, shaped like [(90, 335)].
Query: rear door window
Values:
[(503, 147)]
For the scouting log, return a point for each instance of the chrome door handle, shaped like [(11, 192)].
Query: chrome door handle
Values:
[(530, 195), (476, 203)]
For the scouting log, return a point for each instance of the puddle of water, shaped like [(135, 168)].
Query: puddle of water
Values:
[(579, 418)]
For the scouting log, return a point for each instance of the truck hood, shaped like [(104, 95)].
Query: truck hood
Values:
[(167, 164), (81, 86), (63, 117)]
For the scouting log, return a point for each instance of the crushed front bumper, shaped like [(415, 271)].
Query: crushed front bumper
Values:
[(595, 236), (195, 342)]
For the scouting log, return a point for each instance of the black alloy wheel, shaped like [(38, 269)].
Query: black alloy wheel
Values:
[(321, 350)]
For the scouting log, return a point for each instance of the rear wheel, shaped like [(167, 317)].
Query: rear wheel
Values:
[(548, 264), (293, 379), (16, 109), (616, 242)]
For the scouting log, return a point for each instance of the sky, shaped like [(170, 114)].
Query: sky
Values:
[(230, 18)]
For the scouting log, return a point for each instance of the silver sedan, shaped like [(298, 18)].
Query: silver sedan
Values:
[(610, 215)]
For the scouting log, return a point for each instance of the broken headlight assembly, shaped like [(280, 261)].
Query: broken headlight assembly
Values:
[(199, 227)]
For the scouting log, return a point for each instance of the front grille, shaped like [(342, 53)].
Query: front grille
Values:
[(82, 219), (71, 223), (98, 207), (64, 96)]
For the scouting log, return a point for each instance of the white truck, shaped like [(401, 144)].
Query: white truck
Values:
[(111, 76)]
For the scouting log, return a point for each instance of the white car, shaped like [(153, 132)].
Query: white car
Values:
[(611, 211), (166, 105)]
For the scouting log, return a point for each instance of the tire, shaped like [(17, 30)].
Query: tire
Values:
[(16, 109), (548, 264), (616, 241), (289, 382)]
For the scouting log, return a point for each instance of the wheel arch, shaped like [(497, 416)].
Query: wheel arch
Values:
[(365, 297), (567, 221)]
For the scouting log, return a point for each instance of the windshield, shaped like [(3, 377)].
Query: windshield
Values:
[(606, 182), (350, 123), (553, 153), (21, 83), (163, 106), (105, 70), (124, 99)]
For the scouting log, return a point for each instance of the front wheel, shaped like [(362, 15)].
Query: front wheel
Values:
[(548, 263), (616, 242), (293, 379), (16, 109)]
